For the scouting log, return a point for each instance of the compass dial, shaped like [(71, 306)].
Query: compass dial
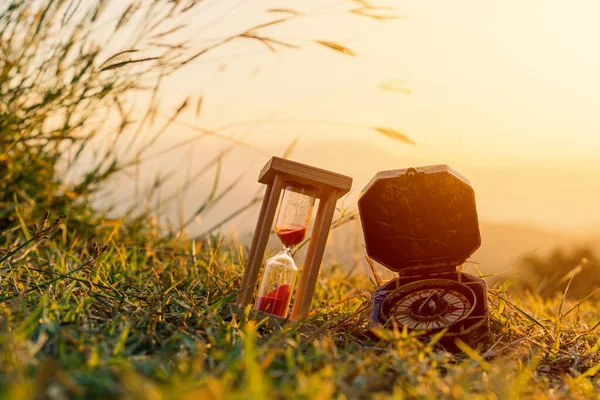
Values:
[(430, 304)]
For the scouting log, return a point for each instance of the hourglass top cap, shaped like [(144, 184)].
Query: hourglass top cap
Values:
[(304, 174), (418, 219)]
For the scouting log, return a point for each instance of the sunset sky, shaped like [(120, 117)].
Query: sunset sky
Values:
[(506, 92)]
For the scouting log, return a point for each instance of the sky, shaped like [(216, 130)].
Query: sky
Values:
[(504, 91), (491, 80)]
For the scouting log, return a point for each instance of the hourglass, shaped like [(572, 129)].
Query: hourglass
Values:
[(280, 271), (301, 185)]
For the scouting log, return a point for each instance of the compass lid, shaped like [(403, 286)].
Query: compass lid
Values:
[(418, 219)]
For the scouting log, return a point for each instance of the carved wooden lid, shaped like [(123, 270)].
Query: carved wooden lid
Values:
[(419, 219)]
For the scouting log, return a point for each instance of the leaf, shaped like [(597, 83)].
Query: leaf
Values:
[(376, 276), (256, 388), (183, 106), (504, 288), (124, 63), (29, 325), (126, 16), (394, 134), (168, 32), (525, 376), (378, 17), (336, 47), (268, 42), (115, 57), (283, 10), (524, 313), (368, 6), (199, 106), (396, 86), (262, 40), (288, 151), (21, 220), (506, 284), (266, 24), (590, 372), (94, 359), (120, 346), (473, 354)]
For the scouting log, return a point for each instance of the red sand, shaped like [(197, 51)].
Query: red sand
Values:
[(276, 301), (291, 236)]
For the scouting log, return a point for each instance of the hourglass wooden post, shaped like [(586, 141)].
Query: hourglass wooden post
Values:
[(326, 186)]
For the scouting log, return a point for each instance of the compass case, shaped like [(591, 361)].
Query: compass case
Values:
[(422, 223), (419, 218)]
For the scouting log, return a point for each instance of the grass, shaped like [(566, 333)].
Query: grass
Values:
[(93, 306), (148, 317)]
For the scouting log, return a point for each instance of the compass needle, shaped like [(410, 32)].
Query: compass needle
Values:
[(443, 320), (427, 300)]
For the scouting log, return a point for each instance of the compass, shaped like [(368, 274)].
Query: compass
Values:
[(429, 304), (422, 223)]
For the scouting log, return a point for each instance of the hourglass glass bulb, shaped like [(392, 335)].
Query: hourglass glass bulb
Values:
[(276, 287), (295, 213)]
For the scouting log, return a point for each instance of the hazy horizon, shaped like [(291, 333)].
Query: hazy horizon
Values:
[(512, 109)]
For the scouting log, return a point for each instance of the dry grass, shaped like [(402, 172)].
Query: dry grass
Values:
[(148, 318), (143, 313)]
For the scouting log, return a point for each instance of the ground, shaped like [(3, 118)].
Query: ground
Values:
[(147, 316)]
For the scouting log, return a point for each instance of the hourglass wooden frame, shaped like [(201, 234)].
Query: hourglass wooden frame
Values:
[(330, 187)]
